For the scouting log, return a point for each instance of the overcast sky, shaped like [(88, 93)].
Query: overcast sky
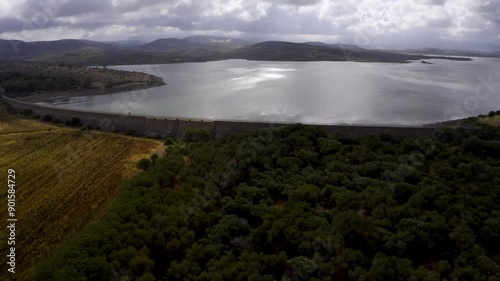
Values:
[(470, 24)]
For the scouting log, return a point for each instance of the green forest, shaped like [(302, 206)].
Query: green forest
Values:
[(295, 204), (19, 79)]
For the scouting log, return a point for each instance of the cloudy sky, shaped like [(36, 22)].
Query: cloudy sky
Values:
[(461, 24)]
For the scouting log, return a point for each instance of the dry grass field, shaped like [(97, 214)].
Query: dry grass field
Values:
[(493, 121), (65, 178), (11, 124)]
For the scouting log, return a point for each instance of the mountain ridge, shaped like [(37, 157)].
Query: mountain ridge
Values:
[(197, 48)]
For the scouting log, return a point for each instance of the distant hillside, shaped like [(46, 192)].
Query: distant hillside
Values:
[(442, 52), (218, 42), (192, 43), (169, 44), (276, 50), (20, 50), (15, 49), (69, 44), (191, 49), (127, 43), (341, 46)]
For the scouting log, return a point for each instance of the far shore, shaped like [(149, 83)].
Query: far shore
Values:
[(56, 95)]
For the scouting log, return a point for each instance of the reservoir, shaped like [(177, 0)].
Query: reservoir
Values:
[(310, 92)]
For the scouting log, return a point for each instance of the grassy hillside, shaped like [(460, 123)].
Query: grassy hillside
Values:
[(12, 124), (65, 178), (492, 121), (294, 204)]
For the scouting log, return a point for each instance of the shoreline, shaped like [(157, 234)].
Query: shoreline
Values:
[(53, 110), (139, 86), (176, 127), (51, 96), (54, 95)]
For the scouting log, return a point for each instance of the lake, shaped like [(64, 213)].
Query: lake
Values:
[(311, 92)]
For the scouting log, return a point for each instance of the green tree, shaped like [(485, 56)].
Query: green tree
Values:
[(87, 83), (144, 164), (154, 158), (146, 277), (140, 265)]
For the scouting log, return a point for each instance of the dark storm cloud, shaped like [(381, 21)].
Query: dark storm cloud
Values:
[(10, 24), (277, 21), (491, 11), (397, 22), (434, 2), (62, 8)]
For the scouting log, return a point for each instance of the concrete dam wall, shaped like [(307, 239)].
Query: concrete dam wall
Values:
[(175, 127)]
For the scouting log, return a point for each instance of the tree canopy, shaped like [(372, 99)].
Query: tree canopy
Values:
[(295, 204)]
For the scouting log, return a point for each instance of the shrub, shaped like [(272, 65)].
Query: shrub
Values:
[(49, 85), (17, 87), (169, 141), (386, 136), (75, 121), (154, 158), (87, 83), (47, 118), (144, 164), (196, 135), (28, 112), (63, 84)]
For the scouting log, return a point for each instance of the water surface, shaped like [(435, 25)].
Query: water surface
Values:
[(311, 92)]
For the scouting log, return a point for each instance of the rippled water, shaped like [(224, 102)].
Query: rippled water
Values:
[(311, 92)]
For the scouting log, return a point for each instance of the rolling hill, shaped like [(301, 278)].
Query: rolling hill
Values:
[(190, 49), (169, 44), (20, 50), (217, 42)]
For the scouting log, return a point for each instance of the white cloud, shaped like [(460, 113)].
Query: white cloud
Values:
[(331, 20), (10, 7)]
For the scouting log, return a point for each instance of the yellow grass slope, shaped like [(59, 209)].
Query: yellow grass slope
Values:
[(11, 124), (492, 121), (64, 179)]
